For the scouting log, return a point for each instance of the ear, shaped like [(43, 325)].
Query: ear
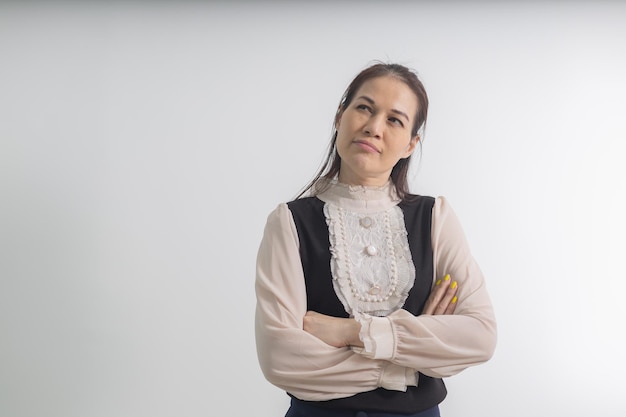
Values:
[(411, 146)]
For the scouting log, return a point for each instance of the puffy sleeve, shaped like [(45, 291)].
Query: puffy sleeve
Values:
[(291, 358), (443, 345)]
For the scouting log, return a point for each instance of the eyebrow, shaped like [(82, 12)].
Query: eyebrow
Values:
[(401, 113)]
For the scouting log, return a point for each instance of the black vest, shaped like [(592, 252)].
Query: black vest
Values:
[(312, 230)]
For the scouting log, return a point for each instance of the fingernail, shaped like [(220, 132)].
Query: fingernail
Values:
[(438, 282), (453, 285), (447, 277), (454, 300)]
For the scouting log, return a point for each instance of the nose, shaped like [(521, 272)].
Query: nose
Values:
[(374, 127)]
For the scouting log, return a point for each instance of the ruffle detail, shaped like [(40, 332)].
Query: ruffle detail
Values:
[(369, 344), (371, 263)]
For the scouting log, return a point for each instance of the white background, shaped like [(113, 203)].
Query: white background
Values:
[(143, 145)]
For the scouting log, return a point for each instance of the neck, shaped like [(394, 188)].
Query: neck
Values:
[(349, 178)]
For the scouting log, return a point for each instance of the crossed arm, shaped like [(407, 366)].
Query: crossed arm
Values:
[(342, 332), (317, 357)]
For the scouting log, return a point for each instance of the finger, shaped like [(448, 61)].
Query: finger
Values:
[(437, 294), (433, 299), (451, 306), (446, 301)]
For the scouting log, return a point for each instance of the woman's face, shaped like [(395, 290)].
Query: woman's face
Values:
[(374, 131)]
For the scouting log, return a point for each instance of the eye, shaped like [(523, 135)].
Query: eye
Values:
[(396, 121), (364, 107)]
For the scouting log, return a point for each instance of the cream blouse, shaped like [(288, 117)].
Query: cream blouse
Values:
[(398, 344)]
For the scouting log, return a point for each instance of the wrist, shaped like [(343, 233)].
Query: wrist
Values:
[(352, 332)]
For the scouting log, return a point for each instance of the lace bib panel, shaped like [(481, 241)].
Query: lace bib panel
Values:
[(371, 263)]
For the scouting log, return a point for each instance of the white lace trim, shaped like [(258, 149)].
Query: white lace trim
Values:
[(369, 344), (371, 263)]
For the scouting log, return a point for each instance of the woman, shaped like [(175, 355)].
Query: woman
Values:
[(368, 295)]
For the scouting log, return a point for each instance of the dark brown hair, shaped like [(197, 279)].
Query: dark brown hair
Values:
[(332, 163)]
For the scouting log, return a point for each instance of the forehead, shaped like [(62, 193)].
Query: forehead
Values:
[(387, 91)]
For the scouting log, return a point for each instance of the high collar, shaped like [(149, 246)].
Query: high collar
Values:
[(360, 198)]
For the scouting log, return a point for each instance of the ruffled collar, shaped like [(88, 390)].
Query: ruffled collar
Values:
[(360, 198)]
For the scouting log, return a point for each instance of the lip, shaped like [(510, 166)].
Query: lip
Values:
[(363, 144)]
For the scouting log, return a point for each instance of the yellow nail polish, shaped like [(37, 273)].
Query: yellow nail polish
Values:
[(447, 277), (454, 299), (453, 285), (438, 282)]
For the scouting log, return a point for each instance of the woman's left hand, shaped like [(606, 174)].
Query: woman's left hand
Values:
[(442, 299), (335, 331)]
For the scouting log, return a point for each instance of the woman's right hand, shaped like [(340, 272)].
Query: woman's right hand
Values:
[(442, 299)]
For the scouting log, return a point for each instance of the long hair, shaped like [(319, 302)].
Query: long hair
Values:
[(332, 163)]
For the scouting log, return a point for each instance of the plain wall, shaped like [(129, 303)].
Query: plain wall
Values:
[(142, 146)]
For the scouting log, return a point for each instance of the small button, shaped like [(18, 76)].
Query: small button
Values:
[(375, 290), (371, 250), (366, 222)]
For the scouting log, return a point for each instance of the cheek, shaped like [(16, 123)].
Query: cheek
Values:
[(342, 136), (400, 151), (341, 146)]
